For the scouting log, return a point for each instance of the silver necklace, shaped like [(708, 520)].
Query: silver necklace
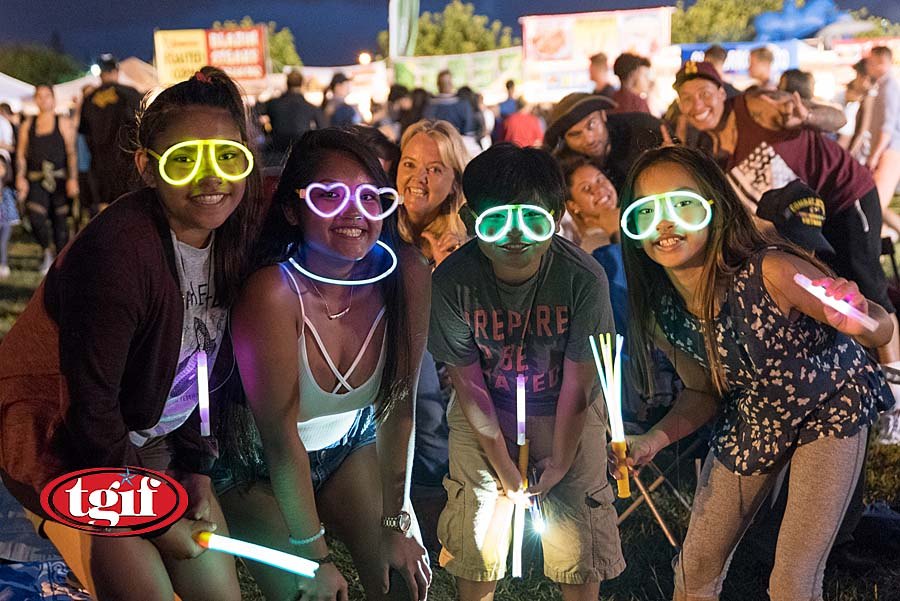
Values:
[(339, 314)]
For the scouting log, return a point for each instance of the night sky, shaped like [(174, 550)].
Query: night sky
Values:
[(340, 29)]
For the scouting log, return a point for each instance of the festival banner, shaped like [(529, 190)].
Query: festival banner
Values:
[(486, 72), (241, 52), (179, 53), (557, 48)]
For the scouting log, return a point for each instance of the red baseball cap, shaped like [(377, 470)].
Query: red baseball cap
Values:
[(694, 69)]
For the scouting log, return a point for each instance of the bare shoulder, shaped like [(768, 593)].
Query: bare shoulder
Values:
[(779, 267), (268, 294)]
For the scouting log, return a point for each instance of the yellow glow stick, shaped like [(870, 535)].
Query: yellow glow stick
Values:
[(610, 373), (279, 559)]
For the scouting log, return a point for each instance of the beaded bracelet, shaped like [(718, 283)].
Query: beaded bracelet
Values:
[(299, 542)]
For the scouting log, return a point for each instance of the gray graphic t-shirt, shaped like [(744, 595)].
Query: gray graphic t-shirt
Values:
[(202, 328), (474, 317)]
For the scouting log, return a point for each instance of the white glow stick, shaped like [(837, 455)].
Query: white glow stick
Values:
[(840, 306), (537, 509), (520, 410), (537, 517), (519, 511), (203, 392), (609, 368), (279, 559), (518, 536)]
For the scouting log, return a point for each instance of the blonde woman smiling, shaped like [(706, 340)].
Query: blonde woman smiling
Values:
[(430, 179)]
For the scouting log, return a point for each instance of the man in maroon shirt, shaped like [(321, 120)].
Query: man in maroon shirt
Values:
[(766, 140), (634, 73)]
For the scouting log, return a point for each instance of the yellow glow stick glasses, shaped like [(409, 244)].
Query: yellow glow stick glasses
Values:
[(610, 373)]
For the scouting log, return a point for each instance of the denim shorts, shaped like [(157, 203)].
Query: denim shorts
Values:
[(322, 463)]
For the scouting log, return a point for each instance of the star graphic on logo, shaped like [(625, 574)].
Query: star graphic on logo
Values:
[(127, 477)]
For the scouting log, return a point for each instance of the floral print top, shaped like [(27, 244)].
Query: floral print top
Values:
[(788, 382)]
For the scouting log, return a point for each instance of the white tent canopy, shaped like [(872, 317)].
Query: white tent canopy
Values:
[(14, 91)]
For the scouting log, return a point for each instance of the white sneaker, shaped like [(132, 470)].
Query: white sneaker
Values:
[(4, 272)]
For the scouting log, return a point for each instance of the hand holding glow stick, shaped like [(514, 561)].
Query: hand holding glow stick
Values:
[(842, 307), (610, 373), (279, 559), (203, 392)]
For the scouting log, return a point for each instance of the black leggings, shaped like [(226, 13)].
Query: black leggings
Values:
[(48, 210)]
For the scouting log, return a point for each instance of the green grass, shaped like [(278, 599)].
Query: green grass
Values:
[(649, 573)]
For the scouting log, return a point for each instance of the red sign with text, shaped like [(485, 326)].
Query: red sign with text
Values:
[(115, 501)]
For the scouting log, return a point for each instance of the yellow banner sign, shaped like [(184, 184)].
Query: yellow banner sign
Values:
[(179, 54)]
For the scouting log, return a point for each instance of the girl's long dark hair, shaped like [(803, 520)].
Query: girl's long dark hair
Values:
[(281, 239), (733, 238), (235, 238)]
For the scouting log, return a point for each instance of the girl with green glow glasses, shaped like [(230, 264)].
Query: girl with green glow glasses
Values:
[(180, 163), (536, 223), (781, 377), (688, 210)]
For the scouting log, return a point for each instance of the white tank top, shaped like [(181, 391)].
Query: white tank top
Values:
[(326, 417)]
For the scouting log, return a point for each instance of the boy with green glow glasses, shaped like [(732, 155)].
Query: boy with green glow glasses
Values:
[(513, 309), (686, 209), (180, 163), (536, 223)]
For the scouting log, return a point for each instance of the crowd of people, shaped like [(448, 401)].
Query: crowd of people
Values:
[(369, 298)]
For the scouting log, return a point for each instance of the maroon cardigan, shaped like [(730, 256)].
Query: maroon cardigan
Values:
[(94, 354)]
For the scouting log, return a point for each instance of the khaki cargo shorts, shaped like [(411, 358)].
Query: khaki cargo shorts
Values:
[(581, 541)]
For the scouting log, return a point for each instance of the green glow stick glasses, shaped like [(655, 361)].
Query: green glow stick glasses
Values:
[(686, 209), (536, 223)]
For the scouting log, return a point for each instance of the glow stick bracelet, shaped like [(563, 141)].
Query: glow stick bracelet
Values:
[(840, 306), (520, 411), (203, 392), (278, 559), (609, 370)]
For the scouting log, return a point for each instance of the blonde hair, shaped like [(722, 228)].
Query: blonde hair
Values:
[(454, 156)]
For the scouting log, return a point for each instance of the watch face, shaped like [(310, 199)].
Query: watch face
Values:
[(405, 521)]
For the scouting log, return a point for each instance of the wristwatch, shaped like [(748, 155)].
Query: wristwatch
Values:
[(400, 522)]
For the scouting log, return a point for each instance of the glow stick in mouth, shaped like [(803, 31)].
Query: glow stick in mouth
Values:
[(278, 559), (842, 307), (610, 373), (203, 392)]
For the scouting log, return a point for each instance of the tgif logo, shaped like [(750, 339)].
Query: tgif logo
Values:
[(115, 502)]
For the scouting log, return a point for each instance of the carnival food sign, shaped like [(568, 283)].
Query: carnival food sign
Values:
[(241, 52)]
